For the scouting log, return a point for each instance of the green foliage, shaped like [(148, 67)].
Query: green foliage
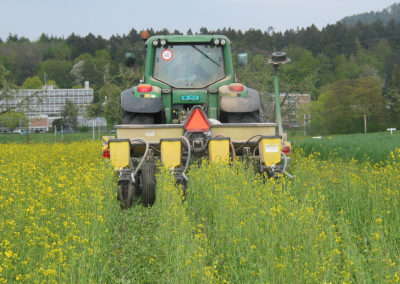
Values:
[(390, 13), (53, 83), (57, 70), (58, 124), (341, 108), (13, 120), (393, 96), (23, 58), (112, 103), (5, 83), (32, 83), (69, 115)]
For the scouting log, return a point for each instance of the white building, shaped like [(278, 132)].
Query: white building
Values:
[(49, 102), (291, 106)]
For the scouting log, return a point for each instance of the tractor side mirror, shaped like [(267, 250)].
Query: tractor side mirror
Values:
[(130, 59), (242, 59)]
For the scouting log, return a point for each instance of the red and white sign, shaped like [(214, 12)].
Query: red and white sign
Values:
[(167, 55)]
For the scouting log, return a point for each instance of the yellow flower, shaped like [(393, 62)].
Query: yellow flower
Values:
[(8, 253)]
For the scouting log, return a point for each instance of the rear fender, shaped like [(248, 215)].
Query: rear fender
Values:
[(230, 102), (131, 103)]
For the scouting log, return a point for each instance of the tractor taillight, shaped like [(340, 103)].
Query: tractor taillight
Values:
[(236, 87), (106, 153), (144, 88), (197, 121), (286, 150)]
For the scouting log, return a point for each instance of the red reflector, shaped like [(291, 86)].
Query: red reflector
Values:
[(236, 87), (106, 153), (197, 122), (286, 150), (144, 88)]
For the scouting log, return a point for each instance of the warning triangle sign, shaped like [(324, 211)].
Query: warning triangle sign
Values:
[(197, 122)]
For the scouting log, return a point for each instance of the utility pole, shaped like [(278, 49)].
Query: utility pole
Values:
[(365, 123), (98, 125)]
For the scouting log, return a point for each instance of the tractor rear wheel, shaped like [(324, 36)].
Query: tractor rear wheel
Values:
[(243, 117), (148, 180), (137, 118)]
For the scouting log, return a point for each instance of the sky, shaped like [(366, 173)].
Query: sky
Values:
[(31, 18)]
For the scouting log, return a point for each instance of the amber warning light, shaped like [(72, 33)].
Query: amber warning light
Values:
[(144, 35), (197, 121), (106, 153), (144, 88), (286, 150)]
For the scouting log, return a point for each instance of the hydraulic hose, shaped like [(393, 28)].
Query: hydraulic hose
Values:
[(188, 158), (285, 165), (244, 144), (143, 158)]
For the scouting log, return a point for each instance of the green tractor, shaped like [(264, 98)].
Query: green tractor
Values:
[(183, 71), (188, 106)]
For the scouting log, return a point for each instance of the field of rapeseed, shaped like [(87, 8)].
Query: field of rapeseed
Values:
[(335, 222), (57, 206)]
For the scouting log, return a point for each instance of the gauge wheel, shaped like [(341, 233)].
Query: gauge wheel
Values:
[(126, 194), (148, 179)]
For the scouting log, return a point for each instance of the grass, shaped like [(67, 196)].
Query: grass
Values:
[(135, 248), (50, 137), (373, 147)]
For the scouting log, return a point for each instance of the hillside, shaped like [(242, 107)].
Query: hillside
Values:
[(392, 12)]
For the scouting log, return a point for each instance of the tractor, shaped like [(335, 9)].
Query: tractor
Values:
[(189, 107)]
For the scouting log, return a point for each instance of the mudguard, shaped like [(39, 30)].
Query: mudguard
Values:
[(229, 103), (130, 103)]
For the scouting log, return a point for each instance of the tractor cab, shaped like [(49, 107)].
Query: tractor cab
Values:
[(183, 71)]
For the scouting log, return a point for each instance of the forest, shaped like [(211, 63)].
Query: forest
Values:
[(350, 69)]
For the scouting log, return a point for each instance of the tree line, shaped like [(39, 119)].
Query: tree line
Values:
[(350, 70)]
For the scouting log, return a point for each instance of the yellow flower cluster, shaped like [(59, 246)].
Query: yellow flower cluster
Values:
[(335, 222), (56, 210)]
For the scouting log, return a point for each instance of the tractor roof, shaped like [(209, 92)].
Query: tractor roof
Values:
[(187, 38)]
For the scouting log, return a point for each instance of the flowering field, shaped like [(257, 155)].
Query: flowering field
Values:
[(57, 208), (337, 221)]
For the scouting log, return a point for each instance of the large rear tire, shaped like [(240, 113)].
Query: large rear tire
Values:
[(243, 117), (148, 178), (137, 118)]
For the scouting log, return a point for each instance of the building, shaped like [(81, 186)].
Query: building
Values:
[(48, 103), (290, 108), (39, 124)]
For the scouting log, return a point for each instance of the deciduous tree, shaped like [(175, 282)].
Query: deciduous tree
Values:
[(70, 115)]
